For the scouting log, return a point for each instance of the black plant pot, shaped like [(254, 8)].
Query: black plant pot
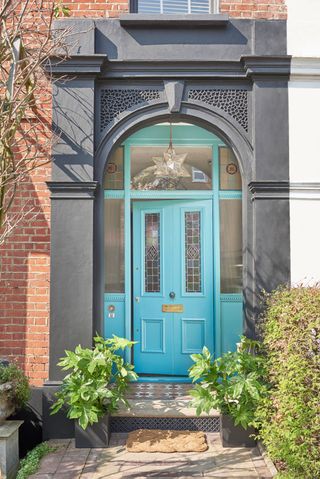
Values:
[(97, 435), (235, 436)]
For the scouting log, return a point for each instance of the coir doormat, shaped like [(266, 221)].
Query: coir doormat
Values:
[(155, 440)]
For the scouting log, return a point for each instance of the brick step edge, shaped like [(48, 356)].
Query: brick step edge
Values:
[(272, 468)]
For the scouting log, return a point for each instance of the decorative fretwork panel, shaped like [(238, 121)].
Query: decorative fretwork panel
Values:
[(114, 101), (127, 424), (231, 101), (193, 252), (152, 253)]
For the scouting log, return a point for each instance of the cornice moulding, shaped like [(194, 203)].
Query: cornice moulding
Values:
[(248, 67), (305, 68), (72, 189), (77, 64), (232, 70), (266, 67), (305, 191), (269, 190)]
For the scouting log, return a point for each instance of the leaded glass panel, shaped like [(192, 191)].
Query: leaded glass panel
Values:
[(230, 177), (114, 174), (152, 253), (231, 246), (114, 245), (193, 251)]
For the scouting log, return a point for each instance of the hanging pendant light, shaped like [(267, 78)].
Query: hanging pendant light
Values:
[(170, 164), (166, 173)]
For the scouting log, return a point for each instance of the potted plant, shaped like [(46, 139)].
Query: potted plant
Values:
[(96, 384), (233, 384), (14, 389)]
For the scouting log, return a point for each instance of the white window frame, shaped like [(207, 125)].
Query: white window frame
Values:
[(214, 6)]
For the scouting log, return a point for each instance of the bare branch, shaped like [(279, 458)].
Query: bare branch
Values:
[(26, 45)]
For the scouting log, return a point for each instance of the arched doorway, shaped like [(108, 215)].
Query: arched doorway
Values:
[(173, 246)]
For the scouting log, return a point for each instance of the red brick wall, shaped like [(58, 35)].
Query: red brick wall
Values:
[(24, 282), (25, 266), (267, 9)]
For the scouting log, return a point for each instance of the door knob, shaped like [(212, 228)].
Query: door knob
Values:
[(172, 295)]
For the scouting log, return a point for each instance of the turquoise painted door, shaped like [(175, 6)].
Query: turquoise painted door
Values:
[(172, 265)]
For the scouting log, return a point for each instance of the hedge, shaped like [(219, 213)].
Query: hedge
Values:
[(289, 420)]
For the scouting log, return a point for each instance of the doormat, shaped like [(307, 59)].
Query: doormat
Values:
[(156, 440)]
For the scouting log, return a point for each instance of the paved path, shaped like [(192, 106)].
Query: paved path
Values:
[(115, 462)]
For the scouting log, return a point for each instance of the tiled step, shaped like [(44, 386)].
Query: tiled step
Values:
[(160, 408), (163, 414)]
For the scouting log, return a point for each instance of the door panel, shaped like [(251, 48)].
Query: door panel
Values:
[(172, 264)]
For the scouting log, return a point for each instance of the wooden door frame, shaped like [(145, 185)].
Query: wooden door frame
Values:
[(202, 138)]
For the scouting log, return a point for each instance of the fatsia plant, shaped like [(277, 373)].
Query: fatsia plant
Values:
[(97, 382), (232, 384)]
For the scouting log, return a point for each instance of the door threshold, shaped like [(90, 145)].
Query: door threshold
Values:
[(164, 379)]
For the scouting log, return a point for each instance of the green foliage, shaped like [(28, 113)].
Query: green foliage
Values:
[(60, 10), (233, 384), (30, 464), (97, 382), (289, 418), (20, 392)]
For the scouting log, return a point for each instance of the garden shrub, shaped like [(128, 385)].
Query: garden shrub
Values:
[(20, 392), (289, 419)]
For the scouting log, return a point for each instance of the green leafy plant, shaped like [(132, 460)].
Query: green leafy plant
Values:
[(233, 384), (20, 391), (289, 418), (97, 382), (30, 464)]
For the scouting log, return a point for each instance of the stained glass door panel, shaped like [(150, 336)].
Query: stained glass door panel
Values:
[(172, 264)]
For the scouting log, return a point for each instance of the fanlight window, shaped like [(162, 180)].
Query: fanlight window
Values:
[(173, 168)]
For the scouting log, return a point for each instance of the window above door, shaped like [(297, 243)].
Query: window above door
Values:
[(183, 7)]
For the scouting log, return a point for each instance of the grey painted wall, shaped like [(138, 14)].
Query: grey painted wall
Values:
[(71, 316), (242, 54), (73, 124)]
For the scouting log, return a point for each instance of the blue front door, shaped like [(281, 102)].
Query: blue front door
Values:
[(172, 284)]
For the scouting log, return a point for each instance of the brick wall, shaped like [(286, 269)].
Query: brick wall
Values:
[(24, 267), (267, 9), (24, 282)]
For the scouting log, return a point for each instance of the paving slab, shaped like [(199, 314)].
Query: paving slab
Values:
[(116, 463)]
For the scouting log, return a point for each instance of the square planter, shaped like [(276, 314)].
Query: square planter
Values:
[(235, 436), (97, 435)]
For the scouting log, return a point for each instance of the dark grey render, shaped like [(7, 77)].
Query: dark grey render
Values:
[(229, 76)]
